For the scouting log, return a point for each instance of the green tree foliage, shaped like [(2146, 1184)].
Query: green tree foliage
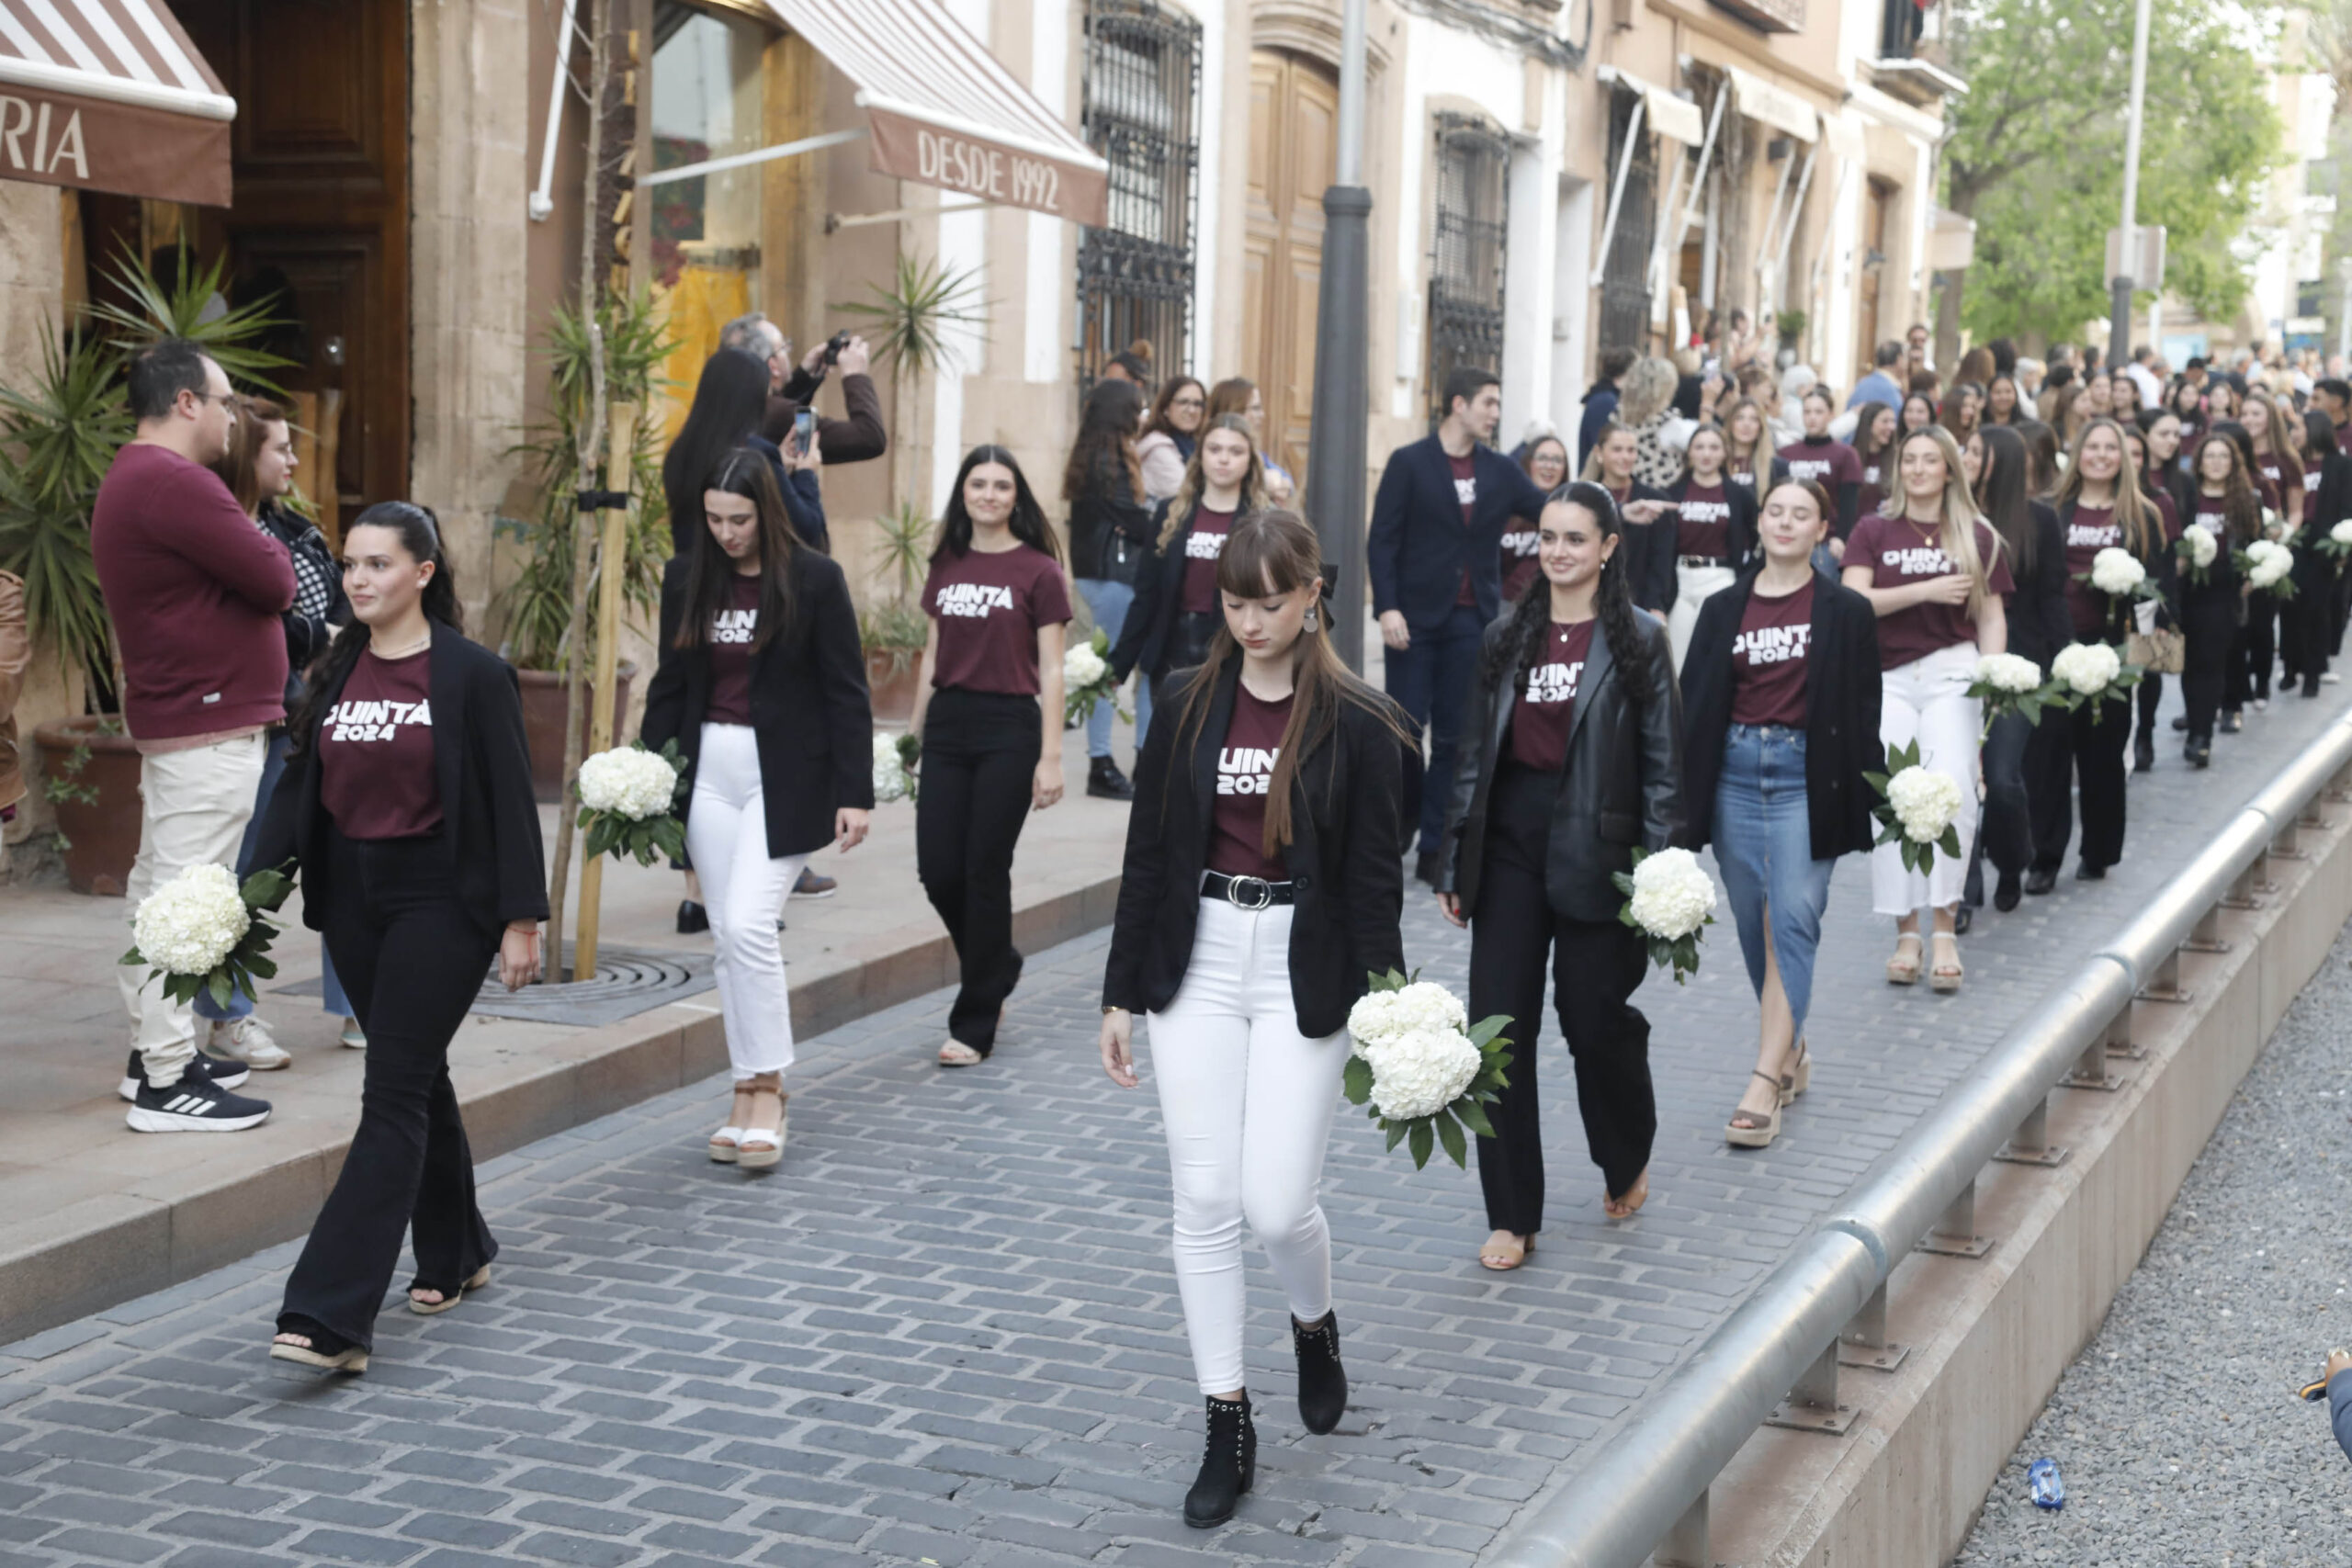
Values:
[(2036, 155)]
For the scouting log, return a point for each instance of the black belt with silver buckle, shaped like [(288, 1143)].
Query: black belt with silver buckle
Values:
[(1251, 893), (1701, 561)]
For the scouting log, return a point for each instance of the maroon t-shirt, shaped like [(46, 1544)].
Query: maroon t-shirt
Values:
[(988, 607), (1202, 547), (731, 653), (1521, 563), (2092, 529), (1465, 490), (1872, 495), (1702, 523), (1245, 764), (2212, 515), (2281, 476), (1825, 462), (1539, 729), (1898, 551), (1767, 658), (376, 774)]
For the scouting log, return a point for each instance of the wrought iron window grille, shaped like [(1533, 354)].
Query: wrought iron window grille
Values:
[(1140, 111), (1467, 243)]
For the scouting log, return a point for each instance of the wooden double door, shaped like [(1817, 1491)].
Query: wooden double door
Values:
[(1293, 124), (320, 212)]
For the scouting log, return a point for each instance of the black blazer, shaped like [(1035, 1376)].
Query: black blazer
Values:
[(1649, 552), (1841, 703), (1417, 549), (1159, 599), (490, 820), (811, 719), (1622, 786), (2036, 608), (1345, 826), (1740, 540)]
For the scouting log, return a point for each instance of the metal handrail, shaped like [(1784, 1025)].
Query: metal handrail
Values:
[(1652, 1474)]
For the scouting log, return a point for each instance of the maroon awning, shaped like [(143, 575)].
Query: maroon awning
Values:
[(109, 95)]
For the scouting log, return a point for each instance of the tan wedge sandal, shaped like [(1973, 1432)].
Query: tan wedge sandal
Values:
[(1946, 977), (1903, 969), (1765, 1125), (1799, 1076)]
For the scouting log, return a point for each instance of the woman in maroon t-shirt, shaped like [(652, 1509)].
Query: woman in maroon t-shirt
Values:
[(1828, 462), (1572, 721), (762, 685), (1546, 462), (1714, 532), (1780, 699), (1261, 886), (416, 890), (1176, 612), (1874, 449), (989, 711), (2279, 624), (1935, 572), (2213, 671)]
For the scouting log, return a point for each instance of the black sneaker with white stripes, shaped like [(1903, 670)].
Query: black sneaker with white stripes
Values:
[(193, 1105), (201, 1069)]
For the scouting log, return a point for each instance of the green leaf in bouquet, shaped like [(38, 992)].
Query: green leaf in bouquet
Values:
[(1356, 1081), (218, 984), (131, 957), (670, 835), (1950, 843), (1450, 1134), (1420, 1143), (1397, 1130), (265, 890), (1622, 882), (1489, 1029), (262, 965), (1472, 1115)]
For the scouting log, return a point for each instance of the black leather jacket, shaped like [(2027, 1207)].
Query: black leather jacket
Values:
[(1622, 787)]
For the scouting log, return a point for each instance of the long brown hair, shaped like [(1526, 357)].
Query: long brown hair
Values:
[(238, 465), (1159, 420), (1106, 439), (2240, 506), (1956, 514), (1758, 459), (2143, 529), (1188, 495), (711, 574), (1268, 553), (1230, 396)]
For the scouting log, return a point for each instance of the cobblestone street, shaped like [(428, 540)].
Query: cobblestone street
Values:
[(946, 1329)]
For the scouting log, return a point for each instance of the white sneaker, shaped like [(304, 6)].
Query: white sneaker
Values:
[(248, 1040), (353, 1036), (2330, 677)]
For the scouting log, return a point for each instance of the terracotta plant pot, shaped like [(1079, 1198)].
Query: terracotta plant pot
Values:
[(543, 725), (891, 680), (101, 834)]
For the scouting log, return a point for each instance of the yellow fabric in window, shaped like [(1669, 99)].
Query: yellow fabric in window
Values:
[(703, 299)]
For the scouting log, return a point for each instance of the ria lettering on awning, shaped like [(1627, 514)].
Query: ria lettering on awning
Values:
[(21, 119)]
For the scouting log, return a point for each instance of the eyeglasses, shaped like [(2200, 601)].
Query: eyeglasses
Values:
[(1187, 403), (226, 399)]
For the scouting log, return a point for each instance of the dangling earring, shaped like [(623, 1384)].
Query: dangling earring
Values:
[(1312, 619)]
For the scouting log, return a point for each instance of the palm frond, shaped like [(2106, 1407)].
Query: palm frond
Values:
[(913, 315), (179, 307)]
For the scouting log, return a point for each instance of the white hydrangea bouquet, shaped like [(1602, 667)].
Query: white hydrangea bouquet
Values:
[(1424, 1069), (2009, 683), (2197, 550), (631, 802), (208, 936), (894, 767), (2091, 673), (1669, 898), (1087, 679), (1918, 807), (2339, 543), (2266, 565), (2117, 574)]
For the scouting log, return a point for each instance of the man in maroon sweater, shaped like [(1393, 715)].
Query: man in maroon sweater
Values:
[(194, 591)]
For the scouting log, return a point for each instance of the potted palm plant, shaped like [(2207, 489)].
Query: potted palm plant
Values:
[(58, 437), (535, 609), (895, 630)]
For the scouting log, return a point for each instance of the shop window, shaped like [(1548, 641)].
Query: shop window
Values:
[(1141, 89), (1466, 313), (705, 230)]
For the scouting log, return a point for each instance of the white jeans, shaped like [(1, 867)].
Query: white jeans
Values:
[(727, 837), (194, 806), (1694, 585), (1247, 1102), (1927, 700)]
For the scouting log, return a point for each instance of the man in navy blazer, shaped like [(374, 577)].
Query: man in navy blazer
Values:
[(1435, 559)]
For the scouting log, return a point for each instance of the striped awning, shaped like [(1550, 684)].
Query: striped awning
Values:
[(109, 95), (946, 112)]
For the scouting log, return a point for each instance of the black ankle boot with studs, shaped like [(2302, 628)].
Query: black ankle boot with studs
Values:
[(1322, 1381), (1228, 1465)]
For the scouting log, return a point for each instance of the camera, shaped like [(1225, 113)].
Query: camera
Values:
[(833, 346)]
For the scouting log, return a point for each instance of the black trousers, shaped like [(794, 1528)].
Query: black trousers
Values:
[(2259, 640), (2151, 695), (2340, 609), (2209, 618), (2303, 620), (2006, 834), (1595, 969), (2080, 751), (412, 961), (980, 759)]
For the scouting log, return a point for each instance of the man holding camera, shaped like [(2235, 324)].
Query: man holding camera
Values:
[(854, 439)]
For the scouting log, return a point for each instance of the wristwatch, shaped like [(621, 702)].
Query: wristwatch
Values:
[(1110, 1007)]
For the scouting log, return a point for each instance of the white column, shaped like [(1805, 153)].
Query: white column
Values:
[(1530, 232), (1046, 285), (1209, 116)]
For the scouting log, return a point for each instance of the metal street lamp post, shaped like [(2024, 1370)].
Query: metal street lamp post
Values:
[(2119, 329), (1335, 456)]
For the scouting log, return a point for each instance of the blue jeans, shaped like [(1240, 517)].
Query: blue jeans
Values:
[(1430, 681), (1109, 602), (1763, 840), (273, 765)]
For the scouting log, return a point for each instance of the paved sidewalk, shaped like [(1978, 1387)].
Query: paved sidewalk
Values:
[(946, 1328)]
